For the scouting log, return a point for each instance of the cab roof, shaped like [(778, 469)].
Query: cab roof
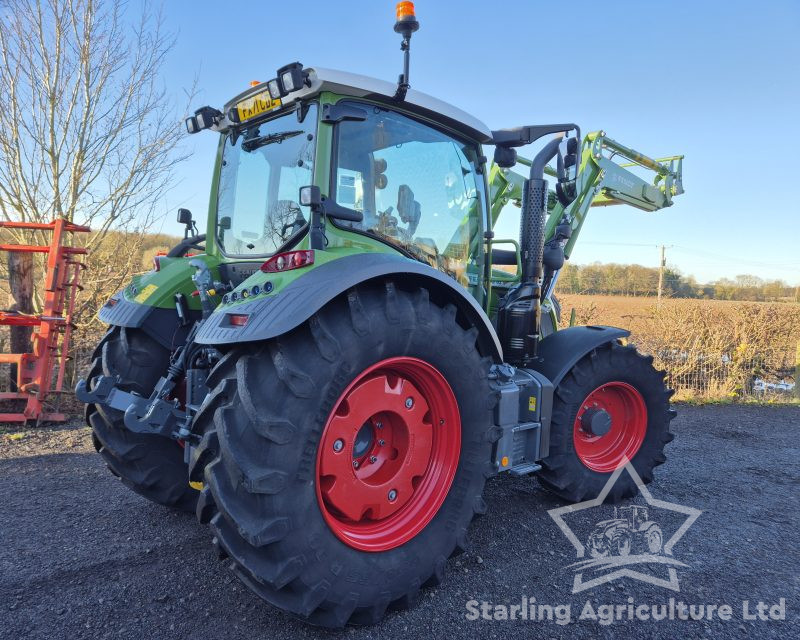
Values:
[(359, 86)]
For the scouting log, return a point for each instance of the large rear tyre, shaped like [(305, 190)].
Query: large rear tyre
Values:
[(613, 405), (153, 466), (343, 462)]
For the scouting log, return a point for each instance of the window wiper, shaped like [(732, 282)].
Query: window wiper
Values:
[(262, 141)]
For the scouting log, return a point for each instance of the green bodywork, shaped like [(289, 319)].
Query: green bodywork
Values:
[(600, 182)]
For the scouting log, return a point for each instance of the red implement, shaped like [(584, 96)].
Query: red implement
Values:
[(40, 372)]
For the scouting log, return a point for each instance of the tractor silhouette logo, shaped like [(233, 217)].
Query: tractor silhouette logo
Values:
[(630, 531), (637, 534)]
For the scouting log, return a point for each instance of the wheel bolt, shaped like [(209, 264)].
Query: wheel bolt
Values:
[(379, 425), (381, 442), (338, 445), (392, 495), (373, 459), (409, 402), (355, 464)]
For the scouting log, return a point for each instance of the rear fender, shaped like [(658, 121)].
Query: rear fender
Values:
[(279, 313), (160, 324), (148, 302)]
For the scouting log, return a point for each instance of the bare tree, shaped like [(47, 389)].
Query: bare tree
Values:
[(87, 129)]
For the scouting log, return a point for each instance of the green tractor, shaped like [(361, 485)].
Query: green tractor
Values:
[(629, 531), (331, 373)]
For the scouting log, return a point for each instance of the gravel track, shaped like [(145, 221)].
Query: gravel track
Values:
[(83, 557)]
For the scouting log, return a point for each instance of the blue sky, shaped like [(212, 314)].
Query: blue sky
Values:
[(717, 81)]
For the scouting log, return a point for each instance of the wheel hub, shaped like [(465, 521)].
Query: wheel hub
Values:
[(610, 426), (596, 422), (363, 442), (388, 454)]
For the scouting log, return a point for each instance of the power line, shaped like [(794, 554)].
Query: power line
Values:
[(732, 260), (793, 266)]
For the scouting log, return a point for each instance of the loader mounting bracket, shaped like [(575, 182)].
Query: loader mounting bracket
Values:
[(521, 418)]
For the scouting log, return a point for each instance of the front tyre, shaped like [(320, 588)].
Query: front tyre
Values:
[(612, 406), (343, 462)]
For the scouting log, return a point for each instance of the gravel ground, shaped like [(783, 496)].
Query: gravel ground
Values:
[(82, 557)]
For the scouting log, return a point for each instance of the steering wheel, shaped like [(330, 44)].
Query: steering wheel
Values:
[(193, 243)]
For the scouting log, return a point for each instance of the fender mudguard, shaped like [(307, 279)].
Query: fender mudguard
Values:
[(560, 351), (160, 324), (277, 314)]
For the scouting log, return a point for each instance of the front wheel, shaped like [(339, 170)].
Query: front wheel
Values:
[(621, 544), (343, 462), (612, 406), (598, 546)]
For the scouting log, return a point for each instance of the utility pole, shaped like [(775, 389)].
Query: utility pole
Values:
[(661, 265)]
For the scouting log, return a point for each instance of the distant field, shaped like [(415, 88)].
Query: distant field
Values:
[(710, 348)]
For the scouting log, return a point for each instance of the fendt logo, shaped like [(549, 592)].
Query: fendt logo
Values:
[(625, 542)]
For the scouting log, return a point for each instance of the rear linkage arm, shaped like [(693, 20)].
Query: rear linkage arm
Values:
[(158, 414)]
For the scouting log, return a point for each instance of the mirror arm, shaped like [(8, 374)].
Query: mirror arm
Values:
[(334, 210)]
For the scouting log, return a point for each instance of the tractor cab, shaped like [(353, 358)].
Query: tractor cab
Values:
[(635, 515), (405, 177)]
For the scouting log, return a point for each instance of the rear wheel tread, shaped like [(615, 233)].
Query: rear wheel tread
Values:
[(246, 522), (150, 465)]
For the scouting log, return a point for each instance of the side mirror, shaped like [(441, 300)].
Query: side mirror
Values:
[(224, 223), (310, 196), (185, 218)]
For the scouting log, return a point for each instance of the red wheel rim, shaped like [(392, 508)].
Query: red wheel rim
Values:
[(625, 408), (388, 454)]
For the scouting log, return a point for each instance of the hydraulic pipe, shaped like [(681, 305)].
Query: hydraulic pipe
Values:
[(632, 154)]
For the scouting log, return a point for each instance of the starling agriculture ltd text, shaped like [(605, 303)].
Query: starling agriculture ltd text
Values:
[(527, 608)]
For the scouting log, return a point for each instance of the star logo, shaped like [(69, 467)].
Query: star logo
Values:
[(632, 537)]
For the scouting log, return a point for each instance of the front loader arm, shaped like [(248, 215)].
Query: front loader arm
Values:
[(600, 182)]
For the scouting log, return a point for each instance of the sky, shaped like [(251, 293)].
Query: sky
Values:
[(717, 81)]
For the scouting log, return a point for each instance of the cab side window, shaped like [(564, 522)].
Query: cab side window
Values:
[(415, 186)]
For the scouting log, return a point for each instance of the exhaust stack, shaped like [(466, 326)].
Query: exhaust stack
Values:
[(519, 316)]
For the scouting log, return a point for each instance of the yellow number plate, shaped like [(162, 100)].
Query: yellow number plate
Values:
[(144, 294), (256, 105)]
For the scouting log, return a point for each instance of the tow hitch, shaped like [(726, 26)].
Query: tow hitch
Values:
[(154, 415), (159, 414)]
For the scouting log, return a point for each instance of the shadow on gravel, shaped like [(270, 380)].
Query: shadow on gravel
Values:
[(81, 556), (48, 463)]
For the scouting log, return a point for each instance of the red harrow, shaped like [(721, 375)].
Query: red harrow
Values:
[(40, 371)]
